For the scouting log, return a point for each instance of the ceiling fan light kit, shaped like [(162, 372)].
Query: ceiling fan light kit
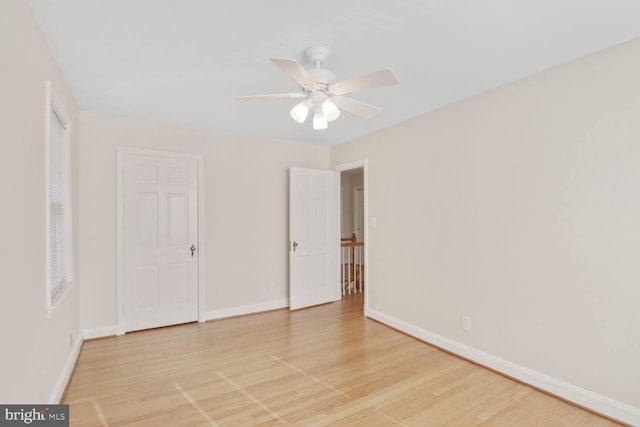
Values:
[(319, 120), (329, 110), (300, 112), (321, 91)]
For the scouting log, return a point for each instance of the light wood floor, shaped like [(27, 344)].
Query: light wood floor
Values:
[(326, 365)]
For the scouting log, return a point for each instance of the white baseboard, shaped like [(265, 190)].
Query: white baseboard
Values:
[(246, 309), (65, 375), (586, 398), (89, 334), (110, 331)]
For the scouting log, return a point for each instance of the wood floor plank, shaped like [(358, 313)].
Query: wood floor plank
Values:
[(325, 365)]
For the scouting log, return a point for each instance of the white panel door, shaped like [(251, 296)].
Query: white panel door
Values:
[(314, 276), (160, 241)]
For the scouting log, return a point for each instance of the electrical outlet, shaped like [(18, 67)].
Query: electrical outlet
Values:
[(465, 323)]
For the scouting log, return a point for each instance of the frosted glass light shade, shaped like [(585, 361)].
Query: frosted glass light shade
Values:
[(319, 120), (329, 110), (299, 112)]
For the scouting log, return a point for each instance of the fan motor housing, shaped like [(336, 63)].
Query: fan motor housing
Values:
[(317, 55), (322, 76)]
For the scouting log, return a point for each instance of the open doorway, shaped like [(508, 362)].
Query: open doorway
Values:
[(353, 233), (352, 200)]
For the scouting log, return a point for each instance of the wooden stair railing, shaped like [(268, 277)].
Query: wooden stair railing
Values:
[(352, 264)]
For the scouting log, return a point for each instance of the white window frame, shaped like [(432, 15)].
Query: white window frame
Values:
[(54, 110)]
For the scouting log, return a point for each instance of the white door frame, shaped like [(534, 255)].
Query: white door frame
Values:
[(357, 164), (121, 153)]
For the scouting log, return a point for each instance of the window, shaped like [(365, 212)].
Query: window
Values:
[(59, 246)]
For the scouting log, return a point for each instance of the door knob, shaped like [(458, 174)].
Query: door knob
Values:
[(295, 245), (193, 250)]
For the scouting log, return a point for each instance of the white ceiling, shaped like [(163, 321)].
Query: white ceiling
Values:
[(184, 61)]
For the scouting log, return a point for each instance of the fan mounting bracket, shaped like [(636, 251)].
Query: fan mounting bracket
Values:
[(317, 55)]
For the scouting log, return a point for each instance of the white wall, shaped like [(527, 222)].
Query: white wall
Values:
[(519, 208), (246, 211), (348, 182), (34, 349), (346, 206)]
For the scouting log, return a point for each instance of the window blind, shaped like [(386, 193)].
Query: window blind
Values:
[(57, 202)]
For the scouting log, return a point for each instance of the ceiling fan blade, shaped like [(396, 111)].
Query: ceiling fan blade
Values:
[(355, 107), (273, 96), (380, 78), (294, 70)]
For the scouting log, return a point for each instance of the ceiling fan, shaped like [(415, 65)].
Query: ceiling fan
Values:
[(322, 94)]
